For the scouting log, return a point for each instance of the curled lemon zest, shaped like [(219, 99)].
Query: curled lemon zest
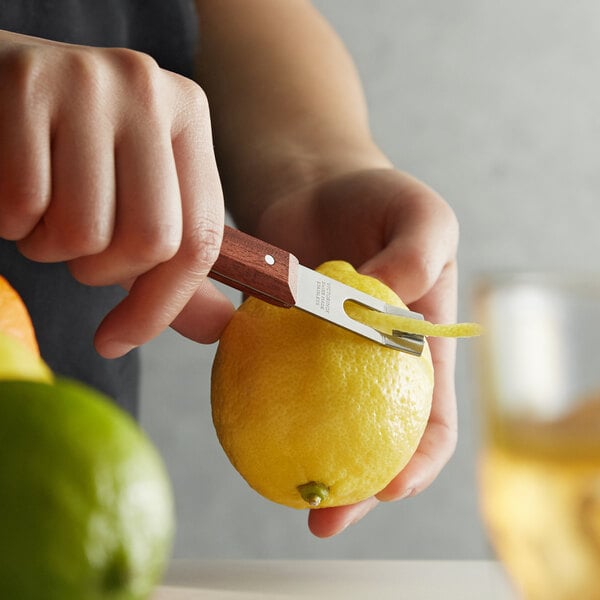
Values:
[(387, 323), (426, 328)]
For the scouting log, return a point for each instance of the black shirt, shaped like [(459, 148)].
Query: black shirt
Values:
[(165, 29)]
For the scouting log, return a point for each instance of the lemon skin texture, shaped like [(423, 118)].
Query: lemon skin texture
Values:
[(299, 403), (86, 507)]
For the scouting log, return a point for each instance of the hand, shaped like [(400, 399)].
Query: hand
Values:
[(394, 228), (106, 162)]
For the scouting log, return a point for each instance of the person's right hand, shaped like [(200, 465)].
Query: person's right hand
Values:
[(107, 163)]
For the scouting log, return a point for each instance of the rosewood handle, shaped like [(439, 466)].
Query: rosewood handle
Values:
[(256, 268)]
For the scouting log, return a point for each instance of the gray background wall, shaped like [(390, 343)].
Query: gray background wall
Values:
[(494, 103)]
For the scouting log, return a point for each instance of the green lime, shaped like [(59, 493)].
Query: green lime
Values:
[(86, 509)]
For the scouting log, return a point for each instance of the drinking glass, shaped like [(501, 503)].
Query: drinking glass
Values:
[(539, 463)]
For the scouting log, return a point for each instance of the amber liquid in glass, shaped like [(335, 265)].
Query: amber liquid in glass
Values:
[(540, 500)]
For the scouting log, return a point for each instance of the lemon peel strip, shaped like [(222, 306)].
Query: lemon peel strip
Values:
[(387, 323), (455, 330)]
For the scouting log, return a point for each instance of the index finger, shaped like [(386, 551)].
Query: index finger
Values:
[(157, 297)]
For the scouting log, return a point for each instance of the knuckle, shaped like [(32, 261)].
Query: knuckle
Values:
[(20, 71), (197, 99), (79, 240), (421, 265), (154, 244), (201, 247), (91, 242), (26, 70), (82, 66), (74, 245), (142, 75), (23, 202), (191, 108), (16, 61), (133, 62)]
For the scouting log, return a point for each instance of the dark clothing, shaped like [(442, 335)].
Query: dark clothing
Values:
[(65, 313), (165, 29)]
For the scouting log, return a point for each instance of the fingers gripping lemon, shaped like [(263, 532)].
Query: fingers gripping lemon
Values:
[(311, 414)]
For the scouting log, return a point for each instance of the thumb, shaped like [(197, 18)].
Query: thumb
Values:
[(204, 316)]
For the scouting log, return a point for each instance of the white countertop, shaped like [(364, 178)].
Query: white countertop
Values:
[(333, 580)]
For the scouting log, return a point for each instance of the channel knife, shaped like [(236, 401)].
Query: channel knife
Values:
[(259, 269)]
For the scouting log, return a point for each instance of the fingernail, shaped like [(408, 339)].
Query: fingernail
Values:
[(391, 497), (407, 493)]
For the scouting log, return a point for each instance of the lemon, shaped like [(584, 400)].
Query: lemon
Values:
[(85, 504), (311, 414), (17, 361), (14, 316)]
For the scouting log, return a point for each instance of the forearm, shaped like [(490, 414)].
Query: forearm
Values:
[(286, 102)]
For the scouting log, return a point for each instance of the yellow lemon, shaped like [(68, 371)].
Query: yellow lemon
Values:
[(86, 506), (14, 316), (311, 414), (18, 361)]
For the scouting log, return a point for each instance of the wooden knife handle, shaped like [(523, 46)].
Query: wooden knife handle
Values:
[(256, 268)]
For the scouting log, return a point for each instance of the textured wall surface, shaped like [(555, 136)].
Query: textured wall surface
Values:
[(494, 104)]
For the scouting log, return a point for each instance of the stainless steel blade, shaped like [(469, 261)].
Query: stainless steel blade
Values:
[(326, 298)]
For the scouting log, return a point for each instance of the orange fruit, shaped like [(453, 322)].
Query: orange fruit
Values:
[(14, 316)]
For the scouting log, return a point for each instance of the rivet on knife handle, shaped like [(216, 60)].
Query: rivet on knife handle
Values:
[(256, 268)]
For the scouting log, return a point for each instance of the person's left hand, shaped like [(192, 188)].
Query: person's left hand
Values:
[(393, 227)]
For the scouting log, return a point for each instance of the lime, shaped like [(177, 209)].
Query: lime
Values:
[(86, 507)]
